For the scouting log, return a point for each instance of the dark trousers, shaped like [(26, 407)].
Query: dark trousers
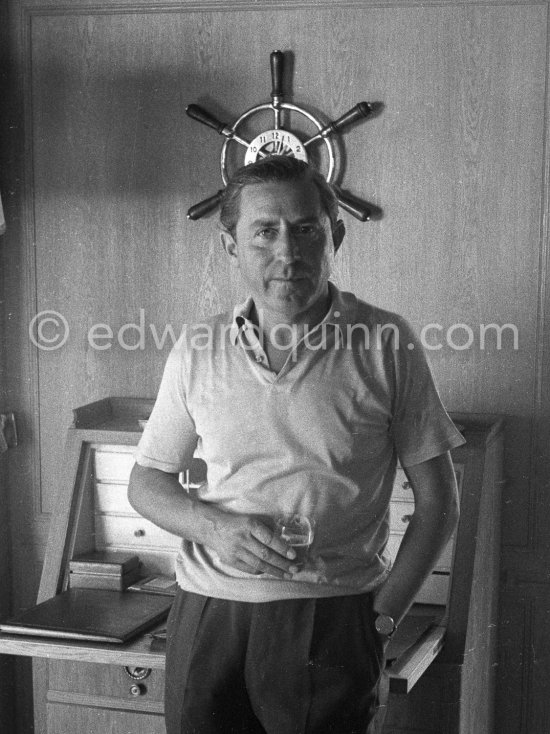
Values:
[(298, 666)]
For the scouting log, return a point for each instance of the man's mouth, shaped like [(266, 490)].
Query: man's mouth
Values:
[(289, 278)]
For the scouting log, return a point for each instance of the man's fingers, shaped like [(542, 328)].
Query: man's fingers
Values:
[(255, 564), (270, 538), (262, 533), (268, 560), (252, 546)]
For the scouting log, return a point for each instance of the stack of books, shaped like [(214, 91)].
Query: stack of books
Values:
[(112, 570)]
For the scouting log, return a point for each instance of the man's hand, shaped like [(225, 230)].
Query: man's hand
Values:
[(249, 545), (242, 541)]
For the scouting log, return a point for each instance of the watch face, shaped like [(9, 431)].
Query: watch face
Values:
[(385, 625), (275, 142)]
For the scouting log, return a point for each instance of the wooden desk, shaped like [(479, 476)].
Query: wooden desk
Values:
[(455, 695), (442, 683)]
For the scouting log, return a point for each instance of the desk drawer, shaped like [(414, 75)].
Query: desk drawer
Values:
[(132, 532), (105, 682), (113, 463), (112, 498), (66, 718), (402, 489), (400, 516)]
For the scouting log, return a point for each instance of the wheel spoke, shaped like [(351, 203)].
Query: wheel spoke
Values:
[(238, 139)]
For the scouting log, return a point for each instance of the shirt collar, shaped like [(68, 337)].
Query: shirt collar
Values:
[(341, 313), (241, 316)]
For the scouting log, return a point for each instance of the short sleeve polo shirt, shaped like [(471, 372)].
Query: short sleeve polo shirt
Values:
[(320, 438)]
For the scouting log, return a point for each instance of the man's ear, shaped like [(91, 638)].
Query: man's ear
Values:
[(229, 245), (338, 233)]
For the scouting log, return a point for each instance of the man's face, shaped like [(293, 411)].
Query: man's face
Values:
[(284, 247)]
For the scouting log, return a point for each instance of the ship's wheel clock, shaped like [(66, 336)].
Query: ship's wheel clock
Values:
[(275, 142), (279, 140)]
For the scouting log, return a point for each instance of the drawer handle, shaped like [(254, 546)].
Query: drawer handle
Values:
[(139, 533), (137, 673), (406, 518), (138, 690)]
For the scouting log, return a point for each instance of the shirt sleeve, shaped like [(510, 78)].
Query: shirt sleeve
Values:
[(421, 427), (169, 438)]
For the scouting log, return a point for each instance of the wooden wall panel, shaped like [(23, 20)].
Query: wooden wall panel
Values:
[(457, 160), (524, 661), (123, 163), (7, 664)]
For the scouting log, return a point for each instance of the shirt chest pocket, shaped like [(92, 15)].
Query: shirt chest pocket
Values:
[(343, 425)]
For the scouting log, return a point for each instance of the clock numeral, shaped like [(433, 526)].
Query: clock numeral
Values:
[(275, 142)]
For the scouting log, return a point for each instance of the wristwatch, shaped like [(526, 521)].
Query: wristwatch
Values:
[(385, 625)]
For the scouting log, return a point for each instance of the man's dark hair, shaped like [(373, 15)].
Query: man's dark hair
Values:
[(273, 169)]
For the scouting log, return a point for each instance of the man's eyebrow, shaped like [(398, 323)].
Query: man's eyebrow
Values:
[(264, 223), (275, 222)]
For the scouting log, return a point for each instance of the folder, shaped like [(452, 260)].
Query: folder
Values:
[(96, 615)]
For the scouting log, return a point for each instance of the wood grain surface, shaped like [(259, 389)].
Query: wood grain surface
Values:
[(104, 164)]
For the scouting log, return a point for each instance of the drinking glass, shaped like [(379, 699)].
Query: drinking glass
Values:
[(297, 531)]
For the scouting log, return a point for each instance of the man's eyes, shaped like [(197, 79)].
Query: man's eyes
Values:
[(267, 233), (302, 230), (306, 229)]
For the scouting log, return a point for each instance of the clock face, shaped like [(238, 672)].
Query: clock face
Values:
[(275, 142)]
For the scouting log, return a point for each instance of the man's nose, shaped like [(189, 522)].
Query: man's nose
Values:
[(287, 246)]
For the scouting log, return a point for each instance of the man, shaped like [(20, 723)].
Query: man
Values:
[(300, 405)]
